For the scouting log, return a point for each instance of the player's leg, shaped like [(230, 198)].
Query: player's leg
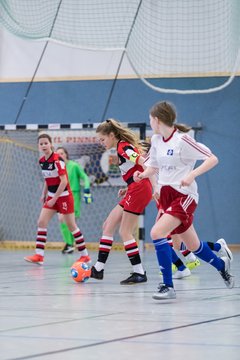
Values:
[(65, 206), (220, 246), (159, 233), (191, 260), (41, 239), (66, 235), (105, 244), (178, 268), (127, 228), (69, 219), (182, 271), (137, 197), (202, 250)]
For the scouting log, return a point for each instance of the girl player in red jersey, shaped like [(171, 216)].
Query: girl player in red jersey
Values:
[(56, 197), (112, 134), (174, 154)]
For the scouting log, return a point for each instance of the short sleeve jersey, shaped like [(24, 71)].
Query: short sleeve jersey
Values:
[(52, 169), (174, 158), (128, 157)]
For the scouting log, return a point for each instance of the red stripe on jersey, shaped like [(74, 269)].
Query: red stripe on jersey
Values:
[(196, 146)]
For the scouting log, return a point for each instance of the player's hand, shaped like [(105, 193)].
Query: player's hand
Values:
[(187, 180), (159, 214), (137, 176), (43, 198), (87, 196), (122, 192), (51, 202), (156, 196)]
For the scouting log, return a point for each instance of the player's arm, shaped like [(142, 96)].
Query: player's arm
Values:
[(207, 165), (128, 152), (155, 188), (83, 176), (44, 192), (200, 152), (147, 173)]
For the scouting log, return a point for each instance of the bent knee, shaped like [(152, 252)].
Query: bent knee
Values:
[(157, 234)]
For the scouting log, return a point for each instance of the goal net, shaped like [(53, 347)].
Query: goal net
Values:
[(21, 179), (160, 38)]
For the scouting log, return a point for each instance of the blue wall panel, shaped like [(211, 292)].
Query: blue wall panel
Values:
[(218, 213)]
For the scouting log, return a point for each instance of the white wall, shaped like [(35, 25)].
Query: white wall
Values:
[(19, 58)]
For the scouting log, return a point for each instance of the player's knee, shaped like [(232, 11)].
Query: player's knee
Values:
[(108, 227), (41, 223), (124, 234), (156, 234)]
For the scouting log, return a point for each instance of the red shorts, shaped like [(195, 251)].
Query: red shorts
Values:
[(63, 205), (137, 197), (179, 205)]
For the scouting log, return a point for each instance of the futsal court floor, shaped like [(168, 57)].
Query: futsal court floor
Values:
[(45, 315)]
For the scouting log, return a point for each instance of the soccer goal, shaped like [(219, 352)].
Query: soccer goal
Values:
[(21, 179)]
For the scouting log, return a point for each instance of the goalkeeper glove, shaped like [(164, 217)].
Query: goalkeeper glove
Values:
[(87, 196)]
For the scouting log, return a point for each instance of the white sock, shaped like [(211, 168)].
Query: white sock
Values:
[(99, 266), (190, 257), (138, 269)]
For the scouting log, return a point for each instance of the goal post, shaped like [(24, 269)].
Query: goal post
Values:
[(21, 181)]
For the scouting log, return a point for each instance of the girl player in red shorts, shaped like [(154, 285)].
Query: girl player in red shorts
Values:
[(112, 134), (174, 154), (56, 197)]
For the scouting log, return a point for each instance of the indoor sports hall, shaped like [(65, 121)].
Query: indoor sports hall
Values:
[(66, 66)]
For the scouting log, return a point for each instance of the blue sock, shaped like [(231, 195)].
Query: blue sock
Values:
[(214, 246), (206, 254), (176, 259), (164, 256)]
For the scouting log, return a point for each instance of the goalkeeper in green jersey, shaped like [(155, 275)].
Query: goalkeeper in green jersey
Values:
[(76, 174)]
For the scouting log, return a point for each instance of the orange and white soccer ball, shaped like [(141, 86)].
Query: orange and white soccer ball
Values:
[(80, 271)]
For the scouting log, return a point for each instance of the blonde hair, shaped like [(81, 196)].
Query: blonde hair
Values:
[(120, 132), (166, 113)]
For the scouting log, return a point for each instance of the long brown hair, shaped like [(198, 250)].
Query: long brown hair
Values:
[(120, 132), (166, 113)]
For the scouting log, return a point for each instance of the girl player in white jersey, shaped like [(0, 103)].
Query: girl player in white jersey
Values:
[(179, 269), (174, 154), (112, 134), (56, 197)]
